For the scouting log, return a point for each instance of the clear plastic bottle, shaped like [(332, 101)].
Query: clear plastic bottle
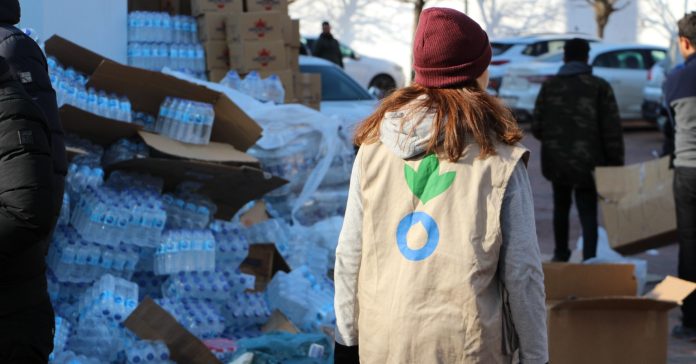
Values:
[(252, 85), (274, 89), (232, 80)]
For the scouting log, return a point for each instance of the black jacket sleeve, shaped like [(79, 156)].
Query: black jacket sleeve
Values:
[(26, 215), (610, 127)]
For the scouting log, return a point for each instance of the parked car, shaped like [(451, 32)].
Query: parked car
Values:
[(379, 74), (624, 66), (652, 108), (513, 50), (341, 96)]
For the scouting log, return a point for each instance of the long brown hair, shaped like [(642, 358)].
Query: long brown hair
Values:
[(468, 111)]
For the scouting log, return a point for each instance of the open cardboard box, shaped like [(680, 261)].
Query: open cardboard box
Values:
[(263, 261), (146, 91), (638, 205), (595, 317)]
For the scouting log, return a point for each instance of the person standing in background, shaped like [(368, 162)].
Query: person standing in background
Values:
[(327, 47), (576, 118), (680, 95)]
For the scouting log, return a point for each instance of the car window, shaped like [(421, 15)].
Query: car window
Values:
[(500, 48), (345, 51), (625, 59), (336, 85), (658, 55), (536, 49), (555, 46)]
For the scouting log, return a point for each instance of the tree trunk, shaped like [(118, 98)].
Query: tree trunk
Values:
[(418, 6)]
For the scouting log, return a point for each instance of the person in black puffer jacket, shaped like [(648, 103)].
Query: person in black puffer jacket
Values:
[(28, 66), (26, 221)]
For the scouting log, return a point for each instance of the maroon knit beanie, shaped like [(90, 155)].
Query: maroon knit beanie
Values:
[(449, 50)]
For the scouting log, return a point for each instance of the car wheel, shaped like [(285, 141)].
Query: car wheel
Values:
[(384, 83)]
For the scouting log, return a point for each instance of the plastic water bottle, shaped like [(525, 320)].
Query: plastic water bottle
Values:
[(185, 251), (274, 90), (232, 80), (252, 85), (92, 101), (244, 310), (124, 109)]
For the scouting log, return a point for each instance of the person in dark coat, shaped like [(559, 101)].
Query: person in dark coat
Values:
[(28, 66), (576, 118), (26, 221), (327, 47)]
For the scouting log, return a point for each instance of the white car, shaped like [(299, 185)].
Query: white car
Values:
[(509, 51), (624, 66), (369, 72), (341, 96), (652, 92)]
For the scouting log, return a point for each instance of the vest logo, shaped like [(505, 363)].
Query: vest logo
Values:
[(220, 3), (405, 226), (426, 183), (264, 57), (260, 28)]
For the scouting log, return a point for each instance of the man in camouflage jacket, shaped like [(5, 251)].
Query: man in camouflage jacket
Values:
[(577, 121)]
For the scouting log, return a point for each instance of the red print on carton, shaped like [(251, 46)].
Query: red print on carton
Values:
[(261, 28), (264, 57)]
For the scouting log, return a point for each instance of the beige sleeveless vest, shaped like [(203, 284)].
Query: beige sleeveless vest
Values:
[(428, 291)]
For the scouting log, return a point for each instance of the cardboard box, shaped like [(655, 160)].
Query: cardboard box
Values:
[(267, 5), (595, 317), (259, 26), (211, 26), (257, 56), (293, 58), (263, 261), (291, 33), (308, 89), (217, 74), (638, 205), (216, 54), (151, 322), (255, 215), (174, 7), (199, 7), (279, 322)]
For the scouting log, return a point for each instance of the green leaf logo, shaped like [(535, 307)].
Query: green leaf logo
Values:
[(427, 183)]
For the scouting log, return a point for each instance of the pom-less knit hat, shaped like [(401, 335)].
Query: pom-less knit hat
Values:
[(449, 50)]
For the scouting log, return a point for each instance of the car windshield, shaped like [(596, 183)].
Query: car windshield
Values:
[(336, 85), (500, 48), (551, 58)]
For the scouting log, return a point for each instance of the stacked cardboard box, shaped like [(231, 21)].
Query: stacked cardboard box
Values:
[(211, 16)]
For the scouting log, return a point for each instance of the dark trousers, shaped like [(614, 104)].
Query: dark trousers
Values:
[(685, 202), (586, 202), (26, 336)]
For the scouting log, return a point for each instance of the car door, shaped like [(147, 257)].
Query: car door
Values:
[(353, 66), (626, 71)]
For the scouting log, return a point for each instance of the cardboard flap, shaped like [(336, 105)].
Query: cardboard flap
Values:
[(564, 280), (73, 55), (213, 152), (614, 303), (279, 322), (151, 322), (255, 215), (263, 262), (614, 183), (147, 90), (232, 186), (96, 128), (672, 289)]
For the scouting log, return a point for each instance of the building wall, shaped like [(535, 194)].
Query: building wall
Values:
[(99, 25)]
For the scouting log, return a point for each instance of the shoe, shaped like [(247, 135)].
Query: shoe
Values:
[(560, 258), (684, 333)]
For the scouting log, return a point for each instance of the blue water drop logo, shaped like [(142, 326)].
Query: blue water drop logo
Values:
[(430, 227)]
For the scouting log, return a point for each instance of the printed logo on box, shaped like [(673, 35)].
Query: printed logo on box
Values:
[(220, 3), (268, 4), (264, 57), (261, 28)]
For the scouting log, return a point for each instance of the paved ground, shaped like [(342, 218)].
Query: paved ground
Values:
[(640, 144)]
